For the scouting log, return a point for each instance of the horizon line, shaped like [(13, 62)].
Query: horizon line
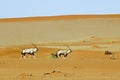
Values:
[(59, 17)]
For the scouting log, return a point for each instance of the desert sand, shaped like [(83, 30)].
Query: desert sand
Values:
[(89, 36)]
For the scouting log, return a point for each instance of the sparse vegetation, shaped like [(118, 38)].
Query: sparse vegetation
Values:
[(111, 55), (54, 55), (108, 53), (25, 75), (54, 71)]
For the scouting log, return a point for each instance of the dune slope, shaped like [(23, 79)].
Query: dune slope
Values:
[(87, 35), (57, 29)]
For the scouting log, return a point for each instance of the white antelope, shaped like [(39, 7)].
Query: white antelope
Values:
[(63, 52), (29, 51)]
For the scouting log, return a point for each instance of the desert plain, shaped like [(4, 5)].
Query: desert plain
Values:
[(88, 36)]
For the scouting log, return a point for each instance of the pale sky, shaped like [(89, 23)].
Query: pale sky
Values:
[(26, 8)]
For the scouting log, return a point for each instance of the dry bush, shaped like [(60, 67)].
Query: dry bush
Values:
[(108, 53), (54, 55)]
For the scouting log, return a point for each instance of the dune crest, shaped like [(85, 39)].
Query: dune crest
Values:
[(62, 17)]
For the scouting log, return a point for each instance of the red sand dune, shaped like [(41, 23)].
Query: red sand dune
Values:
[(64, 17), (86, 62)]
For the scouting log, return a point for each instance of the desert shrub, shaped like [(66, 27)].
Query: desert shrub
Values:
[(108, 53), (54, 55)]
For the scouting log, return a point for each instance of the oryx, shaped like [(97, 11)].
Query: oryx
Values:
[(29, 51), (63, 52)]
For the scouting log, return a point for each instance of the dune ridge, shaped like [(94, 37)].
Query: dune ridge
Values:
[(62, 17)]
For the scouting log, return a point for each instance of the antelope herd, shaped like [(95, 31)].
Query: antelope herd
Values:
[(31, 52), (62, 52)]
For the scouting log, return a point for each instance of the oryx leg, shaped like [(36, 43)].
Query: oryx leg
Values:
[(59, 55), (33, 56), (30, 56), (65, 55), (22, 56)]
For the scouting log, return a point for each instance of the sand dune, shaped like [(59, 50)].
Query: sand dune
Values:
[(80, 64), (60, 30), (89, 36), (62, 17)]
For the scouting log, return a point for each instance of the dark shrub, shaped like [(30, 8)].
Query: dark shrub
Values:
[(108, 53)]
